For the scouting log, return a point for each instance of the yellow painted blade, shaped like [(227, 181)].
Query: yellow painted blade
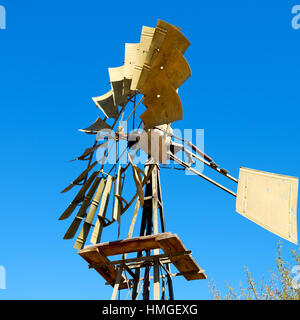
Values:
[(106, 104), (173, 65), (97, 126), (163, 103), (79, 216), (80, 177), (117, 204), (81, 239), (96, 235), (78, 197), (144, 45), (116, 76), (161, 30)]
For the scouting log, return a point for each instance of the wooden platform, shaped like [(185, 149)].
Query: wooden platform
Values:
[(170, 244)]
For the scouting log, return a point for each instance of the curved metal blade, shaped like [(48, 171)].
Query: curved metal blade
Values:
[(159, 35), (131, 50), (169, 39), (78, 197), (116, 76), (80, 177), (145, 41), (96, 235), (88, 151), (97, 126), (107, 105), (117, 205), (173, 65), (79, 216), (163, 103), (81, 239)]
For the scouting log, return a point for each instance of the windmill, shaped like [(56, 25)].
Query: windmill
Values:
[(146, 88)]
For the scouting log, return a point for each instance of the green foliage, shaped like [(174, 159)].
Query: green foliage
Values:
[(283, 284)]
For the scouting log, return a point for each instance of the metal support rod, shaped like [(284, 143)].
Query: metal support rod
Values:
[(144, 222), (185, 165), (134, 109), (206, 159), (117, 283), (156, 284), (211, 166), (163, 229)]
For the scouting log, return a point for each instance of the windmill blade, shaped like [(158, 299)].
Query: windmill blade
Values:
[(106, 104), (163, 103), (116, 76), (97, 126), (78, 197), (79, 216), (162, 31), (168, 71), (173, 65), (117, 204), (175, 39), (122, 201), (144, 45), (131, 50), (96, 235), (80, 177), (81, 239), (88, 151), (269, 200)]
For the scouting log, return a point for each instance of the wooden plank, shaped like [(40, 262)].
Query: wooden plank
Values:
[(125, 246), (185, 264), (168, 242), (108, 272)]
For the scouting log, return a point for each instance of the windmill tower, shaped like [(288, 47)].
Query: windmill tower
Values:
[(153, 71)]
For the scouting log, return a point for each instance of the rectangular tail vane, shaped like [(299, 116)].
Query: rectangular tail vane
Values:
[(269, 200)]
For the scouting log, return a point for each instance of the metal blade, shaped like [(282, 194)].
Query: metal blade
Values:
[(107, 105), (80, 177), (96, 235), (117, 205), (131, 50), (163, 103), (160, 33), (79, 216), (97, 126), (116, 76), (173, 65), (144, 45), (78, 197), (81, 239)]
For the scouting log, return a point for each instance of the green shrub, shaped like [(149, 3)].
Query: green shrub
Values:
[(284, 283)]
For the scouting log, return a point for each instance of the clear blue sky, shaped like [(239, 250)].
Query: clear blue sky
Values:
[(244, 92)]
